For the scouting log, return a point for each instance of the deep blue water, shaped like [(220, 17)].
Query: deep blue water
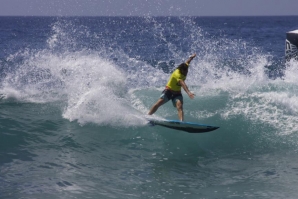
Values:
[(74, 93)]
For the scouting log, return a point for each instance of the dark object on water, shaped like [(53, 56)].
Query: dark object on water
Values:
[(292, 45)]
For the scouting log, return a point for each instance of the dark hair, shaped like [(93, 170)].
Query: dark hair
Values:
[(183, 66)]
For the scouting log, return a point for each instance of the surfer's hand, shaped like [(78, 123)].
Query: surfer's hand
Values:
[(191, 95), (193, 56), (190, 58)]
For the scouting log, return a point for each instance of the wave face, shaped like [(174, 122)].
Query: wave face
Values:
[(74, 94)]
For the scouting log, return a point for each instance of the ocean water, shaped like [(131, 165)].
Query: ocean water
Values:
[(74, 93)]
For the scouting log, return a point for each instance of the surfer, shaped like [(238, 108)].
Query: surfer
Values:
[(173, 89)]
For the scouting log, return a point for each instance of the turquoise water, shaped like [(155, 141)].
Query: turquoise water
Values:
[(75, 92)]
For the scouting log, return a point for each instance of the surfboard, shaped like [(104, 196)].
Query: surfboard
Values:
[(189, 127)]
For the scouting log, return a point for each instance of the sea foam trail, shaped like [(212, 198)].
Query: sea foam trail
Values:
[(91, 88)]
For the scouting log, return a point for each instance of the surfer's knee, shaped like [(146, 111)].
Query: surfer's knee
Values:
[(179, 105)]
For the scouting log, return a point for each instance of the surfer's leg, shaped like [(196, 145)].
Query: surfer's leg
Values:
[(163, 99), (178, 103), (156, 106), (179, 106)]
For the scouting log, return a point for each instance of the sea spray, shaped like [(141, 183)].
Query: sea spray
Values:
[(94, 79), (58, 140)]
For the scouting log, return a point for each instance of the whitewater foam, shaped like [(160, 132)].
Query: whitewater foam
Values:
[(106, 86)]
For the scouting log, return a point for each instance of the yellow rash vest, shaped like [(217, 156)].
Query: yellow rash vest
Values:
[(173, 83)]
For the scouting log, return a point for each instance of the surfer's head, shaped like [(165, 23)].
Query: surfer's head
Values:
[(183, 68)]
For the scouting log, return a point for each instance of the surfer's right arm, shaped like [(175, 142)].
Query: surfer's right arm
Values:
[(190, 58)]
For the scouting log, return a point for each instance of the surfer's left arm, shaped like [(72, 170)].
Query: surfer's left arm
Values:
[(184, 86), (190, 58)]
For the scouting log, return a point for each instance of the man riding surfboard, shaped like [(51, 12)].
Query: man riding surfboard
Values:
[(173, 89)]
